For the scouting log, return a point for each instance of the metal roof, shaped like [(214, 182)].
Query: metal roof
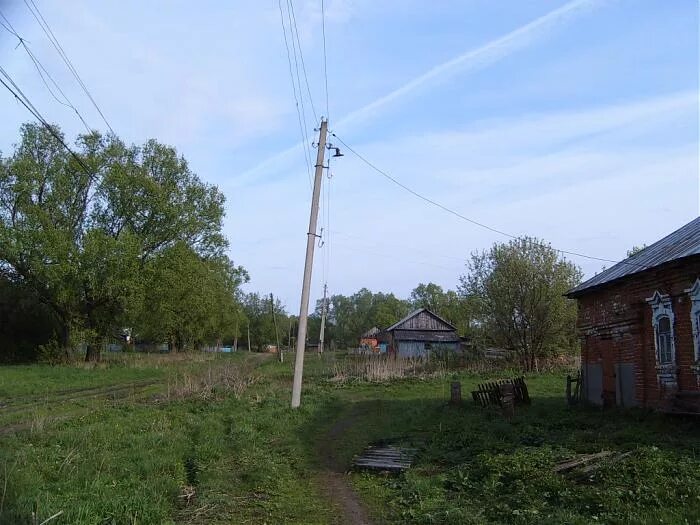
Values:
[(684, 242)]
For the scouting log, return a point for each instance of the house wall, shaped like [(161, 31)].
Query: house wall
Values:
[(617, 337), (422, 349)]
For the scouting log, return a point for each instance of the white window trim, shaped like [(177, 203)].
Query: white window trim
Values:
[(694, 294), (661, 306)]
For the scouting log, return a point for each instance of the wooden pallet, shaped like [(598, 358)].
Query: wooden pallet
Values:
[(490, 393), (386, 459)]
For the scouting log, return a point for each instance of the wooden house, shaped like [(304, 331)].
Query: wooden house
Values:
[(420, 334), (639, 325)]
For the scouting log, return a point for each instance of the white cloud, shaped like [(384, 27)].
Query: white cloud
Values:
[(570, 177), (469, 60), (477, 58)]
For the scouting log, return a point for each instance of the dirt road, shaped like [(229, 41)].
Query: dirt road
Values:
[(334, 479)]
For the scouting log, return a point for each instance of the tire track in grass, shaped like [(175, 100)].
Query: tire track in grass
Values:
[(40, 401), (29, 420)]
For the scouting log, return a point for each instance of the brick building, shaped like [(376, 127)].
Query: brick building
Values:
[(639, 324)]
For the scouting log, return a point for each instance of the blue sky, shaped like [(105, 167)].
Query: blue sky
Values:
[(576, 122)]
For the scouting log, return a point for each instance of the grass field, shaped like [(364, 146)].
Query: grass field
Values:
[(152, 439)]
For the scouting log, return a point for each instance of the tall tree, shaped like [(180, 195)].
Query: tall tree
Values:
[(80, 232), (26, 324), (350, 316), (191, 300), (449, 305), (256, 308), (519, 289), (430, 296)]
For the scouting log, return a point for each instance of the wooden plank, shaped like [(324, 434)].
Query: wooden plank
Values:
[(381, 464), (382, 461), (582, 460), (385, 458), (592, 467)]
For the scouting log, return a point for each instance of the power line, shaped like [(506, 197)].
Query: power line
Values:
[(296, 100), (379, 253), (400, 246), (326, 228), (46, 28), (467, 219), (24, 100), (40, 67), (325, 63), (329, 176), (301, 57), (292, 24), (327, 251)]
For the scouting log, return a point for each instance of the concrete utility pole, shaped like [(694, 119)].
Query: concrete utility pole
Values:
[(249, 350), (308, 264), (323, 320)]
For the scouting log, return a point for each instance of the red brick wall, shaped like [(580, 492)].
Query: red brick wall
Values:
[(615, 326)]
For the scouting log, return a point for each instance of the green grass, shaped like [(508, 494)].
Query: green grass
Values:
[(475, 467), (251, 459)]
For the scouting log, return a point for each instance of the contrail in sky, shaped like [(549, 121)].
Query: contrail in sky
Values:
[(482, 56)]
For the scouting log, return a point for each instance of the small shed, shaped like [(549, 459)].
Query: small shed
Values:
[(639, 326), (369, 340), (420, 334)]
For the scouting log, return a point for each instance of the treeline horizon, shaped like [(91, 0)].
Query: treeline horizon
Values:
[(111, 239)]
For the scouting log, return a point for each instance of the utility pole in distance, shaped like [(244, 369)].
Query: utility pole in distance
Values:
[(323, 320), (308, 264), (249, 350), (277, 334)]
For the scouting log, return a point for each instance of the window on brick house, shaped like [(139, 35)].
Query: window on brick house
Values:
[(694, 293), (664, 340), (663, 321)]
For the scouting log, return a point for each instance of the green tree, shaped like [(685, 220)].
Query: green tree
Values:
[(519, 289), (25, 323), (386, 310), (449, 305), (258, 313), (192, 298), (430, 296), (79, 233), (350, 316)]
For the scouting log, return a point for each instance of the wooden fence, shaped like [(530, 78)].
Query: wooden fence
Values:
[(490, 393)]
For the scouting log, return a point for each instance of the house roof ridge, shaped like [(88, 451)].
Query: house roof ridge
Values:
[(681, 243)]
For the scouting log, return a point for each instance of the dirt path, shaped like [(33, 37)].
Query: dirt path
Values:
[(334, 479)]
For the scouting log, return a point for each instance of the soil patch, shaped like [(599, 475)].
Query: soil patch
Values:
[(334, 480)]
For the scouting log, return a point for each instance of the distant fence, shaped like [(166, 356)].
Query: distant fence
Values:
[(162, 348)]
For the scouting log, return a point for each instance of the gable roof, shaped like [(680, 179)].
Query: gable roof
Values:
[(371, 332), (416, 313), (683, 242)]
